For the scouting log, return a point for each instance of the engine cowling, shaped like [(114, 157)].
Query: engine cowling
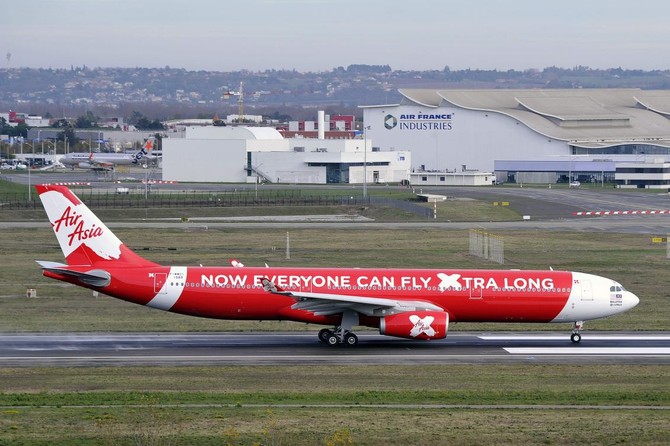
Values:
[(415, 325)]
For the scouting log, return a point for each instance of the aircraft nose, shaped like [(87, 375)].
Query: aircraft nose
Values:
[(631, 300)]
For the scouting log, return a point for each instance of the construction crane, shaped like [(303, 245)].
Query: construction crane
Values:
[(240, 101)]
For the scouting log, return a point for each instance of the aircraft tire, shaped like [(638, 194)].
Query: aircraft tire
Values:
[(324, 334), (333, 339), (351, 339), (575, 338)]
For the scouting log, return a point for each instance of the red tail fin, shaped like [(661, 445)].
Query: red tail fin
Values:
[(83, 238)]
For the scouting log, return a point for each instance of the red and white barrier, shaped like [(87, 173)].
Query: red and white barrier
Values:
[(69, 184), (606, 213)]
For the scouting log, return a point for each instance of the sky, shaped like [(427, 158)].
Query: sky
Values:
[(319, 35)]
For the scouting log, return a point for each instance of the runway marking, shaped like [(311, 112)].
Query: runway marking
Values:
[(230, 357), (585, 337), (595, 351)]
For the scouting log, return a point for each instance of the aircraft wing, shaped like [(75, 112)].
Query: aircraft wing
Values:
[(325, 304)]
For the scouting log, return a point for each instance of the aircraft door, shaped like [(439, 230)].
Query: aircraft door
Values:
[(587, 290), (476, 293), (159, 282)]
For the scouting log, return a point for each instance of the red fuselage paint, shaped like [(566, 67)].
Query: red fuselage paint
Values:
[(237, 293)]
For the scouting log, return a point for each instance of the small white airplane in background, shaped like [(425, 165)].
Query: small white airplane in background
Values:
[(107, 161)]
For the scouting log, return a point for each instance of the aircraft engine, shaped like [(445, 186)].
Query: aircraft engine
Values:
[(415, 325), (84, 165)]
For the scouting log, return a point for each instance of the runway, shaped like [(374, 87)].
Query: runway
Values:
[(152, 349)]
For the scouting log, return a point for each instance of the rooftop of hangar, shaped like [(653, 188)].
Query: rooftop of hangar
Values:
[(587, 117), (233, 132), (651, 100)]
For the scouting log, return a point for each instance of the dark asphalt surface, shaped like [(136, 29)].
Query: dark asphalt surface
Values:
[(91, 349)]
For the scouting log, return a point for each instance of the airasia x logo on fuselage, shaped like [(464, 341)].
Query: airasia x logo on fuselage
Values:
[(70, 219)]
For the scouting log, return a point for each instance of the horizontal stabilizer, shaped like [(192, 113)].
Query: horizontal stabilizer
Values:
[(95, 277)]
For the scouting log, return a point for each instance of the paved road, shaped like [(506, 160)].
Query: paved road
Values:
[(560, 203), (91, 349), (548, 208), (652, 225)]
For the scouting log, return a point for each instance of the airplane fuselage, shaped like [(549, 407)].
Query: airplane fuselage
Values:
[(467, 295), (75, 159)]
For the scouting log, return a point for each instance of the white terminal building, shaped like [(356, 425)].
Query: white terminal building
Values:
[(617, 136), (249, 154)]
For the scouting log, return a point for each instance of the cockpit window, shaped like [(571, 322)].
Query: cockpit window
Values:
[(617, 288)]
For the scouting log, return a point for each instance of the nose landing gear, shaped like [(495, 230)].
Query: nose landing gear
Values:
[(575, 337)]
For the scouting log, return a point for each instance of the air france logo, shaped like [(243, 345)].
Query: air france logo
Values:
[(422, 325), (390, 121), (419, 121)]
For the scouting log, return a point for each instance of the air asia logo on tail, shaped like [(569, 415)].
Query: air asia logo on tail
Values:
[(422, 325), (70, 219)]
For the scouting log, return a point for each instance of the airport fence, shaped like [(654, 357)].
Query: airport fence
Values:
[(487, 246), (137, 200)]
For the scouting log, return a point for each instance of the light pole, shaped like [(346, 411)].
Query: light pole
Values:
[(88, 143), (365, 161), (53, 144), (32, 146), (52, 153)]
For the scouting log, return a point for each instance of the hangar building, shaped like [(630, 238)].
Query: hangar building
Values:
[(528, 135), (249, 154)]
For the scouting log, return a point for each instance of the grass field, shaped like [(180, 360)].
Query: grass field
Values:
[(631, 259), (363, 405), (449, 404)]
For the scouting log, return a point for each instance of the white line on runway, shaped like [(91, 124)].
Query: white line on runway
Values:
[(560, 337), (234, 357), (596, 351)]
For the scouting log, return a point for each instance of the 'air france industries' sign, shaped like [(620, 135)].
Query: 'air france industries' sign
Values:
[(419, 121)]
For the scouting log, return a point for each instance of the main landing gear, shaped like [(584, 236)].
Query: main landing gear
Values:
[(337, 336), (575, 337), (341, 334)]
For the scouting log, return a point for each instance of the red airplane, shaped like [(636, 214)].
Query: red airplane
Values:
[(406, 303)]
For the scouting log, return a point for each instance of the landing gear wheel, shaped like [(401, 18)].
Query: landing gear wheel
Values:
[(333, 339), (351, 339), (575, 338), (324, 334)]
